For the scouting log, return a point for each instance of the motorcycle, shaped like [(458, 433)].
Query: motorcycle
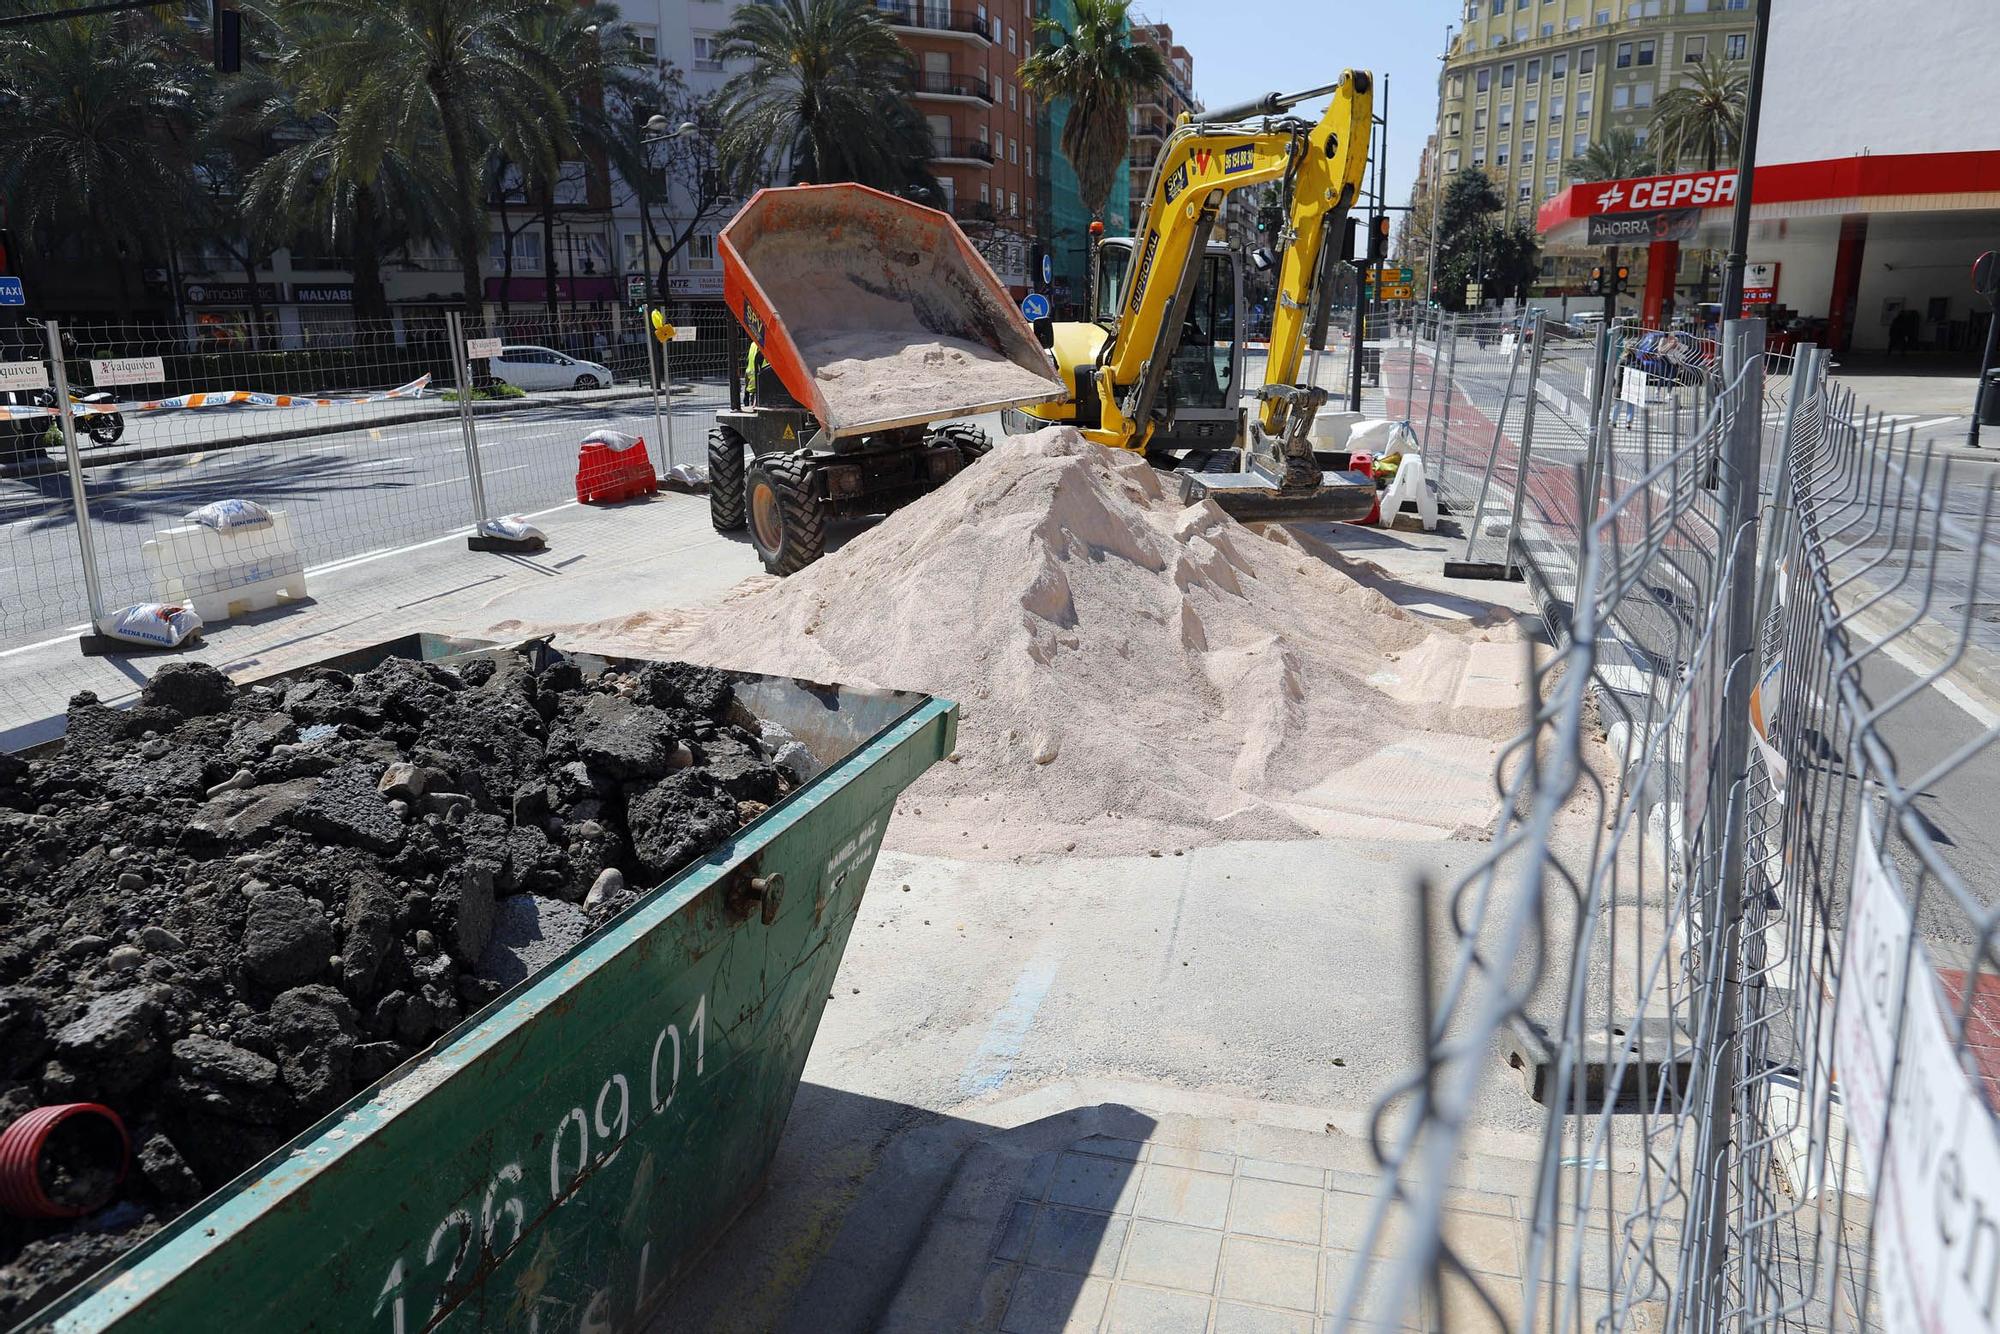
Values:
[(104, 428)]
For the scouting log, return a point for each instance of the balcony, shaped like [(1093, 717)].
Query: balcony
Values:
[(972, 210), (1152, 129), (935, 18), (945, 86), (966, 152)]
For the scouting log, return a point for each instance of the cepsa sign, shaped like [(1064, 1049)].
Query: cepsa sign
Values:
[(1701, 189)]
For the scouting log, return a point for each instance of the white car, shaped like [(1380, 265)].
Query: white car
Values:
[(526, 366)]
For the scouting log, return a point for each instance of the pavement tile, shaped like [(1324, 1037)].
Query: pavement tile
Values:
[(1169, 1255), (1236, 1318), (1045, 1303), (1177, 1195), (1465, 1310), (1278, 1209), (1136, 1310), (1269, 1272), (1013, 1244), (1270, 1169), (1035, 1181), (1085, 1182), (1182, 1155), (1077, 1241), (1347, 1216), (1483, 1242), (1110, 1146)]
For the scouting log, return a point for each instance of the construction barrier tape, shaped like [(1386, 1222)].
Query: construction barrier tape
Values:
[(217, 398)]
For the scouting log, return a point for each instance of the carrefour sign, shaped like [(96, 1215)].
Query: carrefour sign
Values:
[(1702, 189)]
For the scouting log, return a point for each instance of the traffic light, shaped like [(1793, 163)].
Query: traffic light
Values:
[(1624, 273), (1597, 280), (1347, 239), (1378, 238), (6, 251), (226, 38)]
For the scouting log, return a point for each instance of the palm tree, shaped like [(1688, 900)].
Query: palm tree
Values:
[(1101, 72), (1617, 156), (1702, 120), (822, 98), (94, 127), (457, 64)]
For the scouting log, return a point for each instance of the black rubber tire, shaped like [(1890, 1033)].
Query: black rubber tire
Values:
[(588, 382), (108, 433), (972, 443), (725, 479), (787, 521)]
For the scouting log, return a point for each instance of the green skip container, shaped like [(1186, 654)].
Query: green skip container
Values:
[(557, 1161)]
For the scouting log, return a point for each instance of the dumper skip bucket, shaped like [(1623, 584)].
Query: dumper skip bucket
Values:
[(818, 273)]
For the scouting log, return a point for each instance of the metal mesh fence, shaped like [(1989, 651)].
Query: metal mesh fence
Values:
[(1757, 1005), (350, 439)]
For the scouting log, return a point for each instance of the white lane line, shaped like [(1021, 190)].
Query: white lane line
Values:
[(483, 472), (383, 463), (1933, 423), (1945, 686)]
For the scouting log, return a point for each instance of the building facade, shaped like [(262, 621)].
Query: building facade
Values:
[(983, 123), (1153, 120), (1529, 85)]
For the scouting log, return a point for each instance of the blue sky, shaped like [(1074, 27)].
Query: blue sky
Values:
[(1246, 48)]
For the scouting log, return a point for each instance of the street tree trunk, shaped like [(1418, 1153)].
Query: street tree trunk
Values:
[(466, 225)]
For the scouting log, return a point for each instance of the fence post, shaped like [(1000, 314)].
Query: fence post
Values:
[(656, 357), (1604, 393), (461, 370), (1723, 936), (93, 587), (1430, 394), (1509, 558), (1466, 567)]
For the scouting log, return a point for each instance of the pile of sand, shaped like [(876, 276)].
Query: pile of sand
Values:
[(1134, 675), (877, 375)]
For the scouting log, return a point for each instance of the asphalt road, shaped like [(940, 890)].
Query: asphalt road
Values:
[(347, 493)]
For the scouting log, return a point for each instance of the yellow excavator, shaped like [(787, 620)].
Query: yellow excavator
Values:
[(1165, 340)]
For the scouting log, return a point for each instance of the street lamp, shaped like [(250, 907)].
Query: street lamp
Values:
[(658, 131)]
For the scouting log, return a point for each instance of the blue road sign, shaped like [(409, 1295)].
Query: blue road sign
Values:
[(1048, 271), (1035, 306), (12, 293)]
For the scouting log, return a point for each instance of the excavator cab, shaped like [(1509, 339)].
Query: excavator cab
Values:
[(1206, 383)]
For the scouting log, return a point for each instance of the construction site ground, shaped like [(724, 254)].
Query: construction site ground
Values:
[(1120, 1093)]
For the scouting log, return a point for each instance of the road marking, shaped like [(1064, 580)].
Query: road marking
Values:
[(1950, 689), (1934, 423), (994, 1060), (383, 463)]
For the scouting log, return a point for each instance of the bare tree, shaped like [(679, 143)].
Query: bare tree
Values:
[(680, 185)]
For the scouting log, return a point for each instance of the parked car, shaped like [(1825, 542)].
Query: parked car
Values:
[(526, 366)]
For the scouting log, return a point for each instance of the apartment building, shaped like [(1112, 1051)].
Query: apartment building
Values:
[(1530, 85), (1153, 120), (983, 123)]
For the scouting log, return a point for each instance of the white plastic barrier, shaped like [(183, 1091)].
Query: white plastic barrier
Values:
[(1409, 485), (227, 572)]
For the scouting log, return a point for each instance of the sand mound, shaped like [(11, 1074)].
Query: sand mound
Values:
[(879, 375), (1134, 675)]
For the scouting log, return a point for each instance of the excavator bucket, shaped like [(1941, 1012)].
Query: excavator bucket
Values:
[(1255, 495), (875, 312)]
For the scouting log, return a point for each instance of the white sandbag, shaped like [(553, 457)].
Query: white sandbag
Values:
[(513, 528), (225, 515), (1380, 437), (1331, 429), (616, 441), (156, 624)]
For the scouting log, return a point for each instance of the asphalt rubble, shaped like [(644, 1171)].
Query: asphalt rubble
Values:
[(225, 910)]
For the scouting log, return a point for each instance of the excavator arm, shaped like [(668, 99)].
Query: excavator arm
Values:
[(1319, 167)]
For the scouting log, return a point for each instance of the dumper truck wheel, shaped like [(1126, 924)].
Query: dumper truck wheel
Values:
[(725, 479), (972, 443), (787, 521)]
